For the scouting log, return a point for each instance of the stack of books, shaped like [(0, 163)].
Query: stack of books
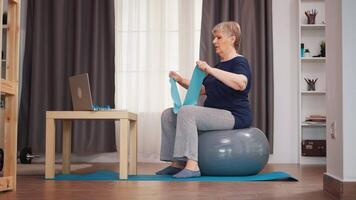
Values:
[(315, 119)]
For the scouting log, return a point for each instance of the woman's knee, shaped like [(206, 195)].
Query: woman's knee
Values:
[(187, 111), (167, 114)]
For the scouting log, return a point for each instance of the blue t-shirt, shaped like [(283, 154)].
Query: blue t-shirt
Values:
[(224, 97)]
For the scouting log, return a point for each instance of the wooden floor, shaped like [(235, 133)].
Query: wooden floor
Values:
[(308, 187)]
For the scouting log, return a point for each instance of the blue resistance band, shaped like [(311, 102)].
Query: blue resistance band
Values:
[(100, 107), (193, 92), (177, 103)]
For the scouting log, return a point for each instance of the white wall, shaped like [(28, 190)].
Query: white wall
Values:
[(334, 85), (349, 88), (340, 39), (285, 57)]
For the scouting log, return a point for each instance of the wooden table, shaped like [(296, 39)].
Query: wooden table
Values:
[(128, 124)]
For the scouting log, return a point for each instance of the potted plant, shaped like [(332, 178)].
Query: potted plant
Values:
[(311, 14), (322, 48), (311, 83)]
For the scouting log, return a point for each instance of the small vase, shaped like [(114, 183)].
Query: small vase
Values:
[(311, 87), (322, 52), (311, 19)]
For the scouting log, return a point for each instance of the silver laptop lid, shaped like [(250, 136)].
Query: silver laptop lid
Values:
[(80, 91)]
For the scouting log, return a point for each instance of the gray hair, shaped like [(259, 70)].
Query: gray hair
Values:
[(231, 28)]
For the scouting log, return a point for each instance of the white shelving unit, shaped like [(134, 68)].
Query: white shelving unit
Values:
[(305, 124), (314, 92), (313, 59), (10, 36), (311, 102), (312, 26)]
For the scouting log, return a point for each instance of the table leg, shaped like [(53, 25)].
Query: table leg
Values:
[(133, 148), (50, 149), (124, 130), (66, 146)]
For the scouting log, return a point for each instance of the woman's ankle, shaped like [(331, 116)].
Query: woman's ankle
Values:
[(178, 164), (192, 165)]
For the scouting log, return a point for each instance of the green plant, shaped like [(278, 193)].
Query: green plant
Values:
[(322, 44), (322, 48)]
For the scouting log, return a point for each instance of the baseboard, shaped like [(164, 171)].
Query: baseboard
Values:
[(109, 157), (339, 189)]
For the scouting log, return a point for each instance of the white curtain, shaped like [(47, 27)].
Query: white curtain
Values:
[(153, 37)]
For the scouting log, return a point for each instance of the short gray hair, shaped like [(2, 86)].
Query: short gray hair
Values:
[(231, 28)]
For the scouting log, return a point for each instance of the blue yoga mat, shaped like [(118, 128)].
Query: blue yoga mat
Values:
[(113, 176)]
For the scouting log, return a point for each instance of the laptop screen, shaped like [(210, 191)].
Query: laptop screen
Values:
[(80, 91)]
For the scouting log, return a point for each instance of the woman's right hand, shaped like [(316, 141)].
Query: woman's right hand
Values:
[(175, 76)]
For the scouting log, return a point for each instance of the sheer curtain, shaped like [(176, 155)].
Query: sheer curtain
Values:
[(153, 37)]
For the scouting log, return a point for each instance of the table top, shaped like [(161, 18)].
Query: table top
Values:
[(103, 114)]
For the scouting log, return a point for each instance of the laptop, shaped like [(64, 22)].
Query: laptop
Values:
[(80, 91)]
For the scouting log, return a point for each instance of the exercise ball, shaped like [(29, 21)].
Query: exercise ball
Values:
[(239, 152)]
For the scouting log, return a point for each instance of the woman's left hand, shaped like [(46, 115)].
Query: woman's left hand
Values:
[(204, 66)]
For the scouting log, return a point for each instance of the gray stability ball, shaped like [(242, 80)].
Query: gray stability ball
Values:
[(239, 152)]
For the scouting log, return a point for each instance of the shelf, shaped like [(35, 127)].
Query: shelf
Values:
[(312, 26), (308, 160), (315, 124), (311, 102), (9, 88), (314, 92), (321, 59)]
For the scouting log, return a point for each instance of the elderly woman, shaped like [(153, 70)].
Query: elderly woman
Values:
[(226, 107)]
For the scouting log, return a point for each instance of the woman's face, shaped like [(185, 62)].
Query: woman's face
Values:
[(223, 43)]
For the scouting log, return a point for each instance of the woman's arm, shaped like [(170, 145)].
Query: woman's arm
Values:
[(202, 90), (235, 81), (184, 82), (180, 80)]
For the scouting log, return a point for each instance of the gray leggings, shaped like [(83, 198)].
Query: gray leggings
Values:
[(180, 131)]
